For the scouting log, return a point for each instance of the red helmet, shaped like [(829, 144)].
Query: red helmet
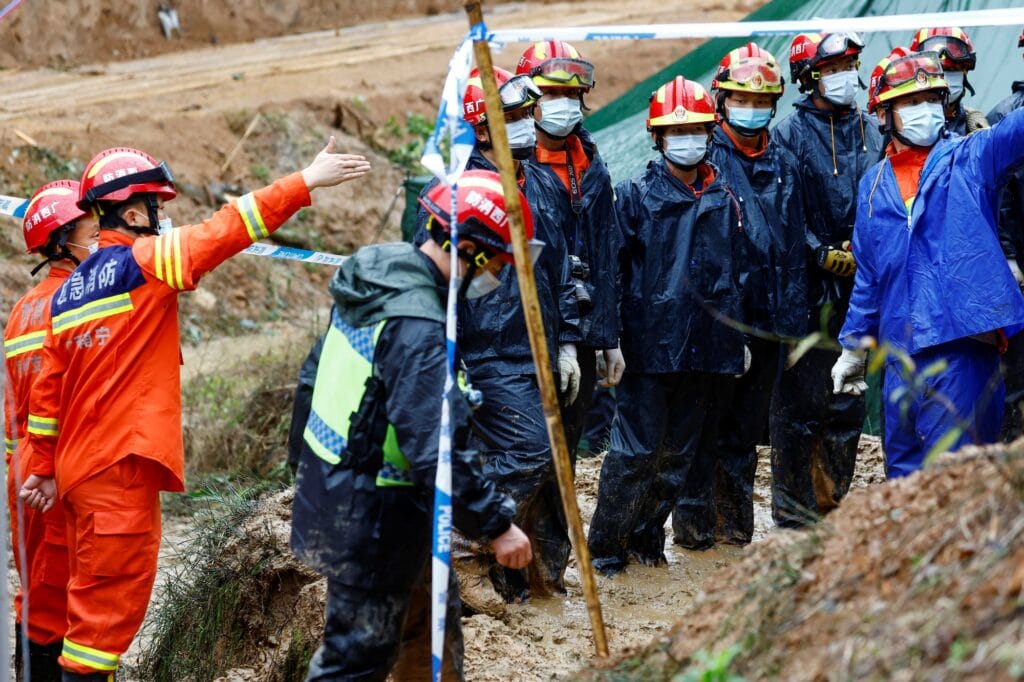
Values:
[(679, 102), (749, 69), (118, 173), (951, 43), (556, 64), (53, 206), (810, 50), (515, 92), (481, 211), (903, 73)]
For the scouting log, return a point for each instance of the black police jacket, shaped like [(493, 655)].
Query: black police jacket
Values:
[(377, 538)]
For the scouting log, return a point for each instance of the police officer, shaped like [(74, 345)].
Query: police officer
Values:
[(814, 434), (364, 491)]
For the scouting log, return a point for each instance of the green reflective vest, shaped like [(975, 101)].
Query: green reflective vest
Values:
[(346, 362)]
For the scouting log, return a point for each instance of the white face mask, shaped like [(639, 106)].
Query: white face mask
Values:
[(164, 225), (955, 81), (841, 88), (91, 248), (522, 138), (686, 150), (922, 123), (559, 117), (482, 284)]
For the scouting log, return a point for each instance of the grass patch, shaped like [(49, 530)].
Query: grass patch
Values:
[(197, 625)]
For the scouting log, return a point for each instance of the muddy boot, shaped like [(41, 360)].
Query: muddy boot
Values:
[(43, 661), (475, 588), (69, 676)]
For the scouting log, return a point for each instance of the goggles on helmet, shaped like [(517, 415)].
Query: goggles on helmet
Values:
[(918, 66), (571, 72), (754, 74), (519, 91), (837, 44), (950, 49), (161, 174)]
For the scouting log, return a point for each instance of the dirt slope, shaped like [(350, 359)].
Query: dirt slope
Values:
[(918, 579)]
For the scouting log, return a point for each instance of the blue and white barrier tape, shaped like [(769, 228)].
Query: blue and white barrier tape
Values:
[(11, 6), (14, 207), (1010, 16)]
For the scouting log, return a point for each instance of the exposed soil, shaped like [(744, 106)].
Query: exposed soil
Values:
[(918, 579), (545, 639)]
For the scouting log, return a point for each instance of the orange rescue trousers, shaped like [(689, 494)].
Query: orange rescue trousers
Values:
[(44, 577), (113, 530)]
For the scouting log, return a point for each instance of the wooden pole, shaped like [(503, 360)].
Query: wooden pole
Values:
[(535, 328)]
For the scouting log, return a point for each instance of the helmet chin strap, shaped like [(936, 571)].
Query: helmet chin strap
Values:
[(470, 271)]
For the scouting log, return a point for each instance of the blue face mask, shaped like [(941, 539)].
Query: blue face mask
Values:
[(841, 88), (686, 150), (922, 123), (748, 120)]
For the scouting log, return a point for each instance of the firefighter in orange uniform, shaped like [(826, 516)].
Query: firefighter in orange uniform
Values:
[(105, 412), (64, 236)]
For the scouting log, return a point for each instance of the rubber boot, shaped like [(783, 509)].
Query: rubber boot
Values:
[(43, 662), (19, 672), (85, 677), (475, 588)]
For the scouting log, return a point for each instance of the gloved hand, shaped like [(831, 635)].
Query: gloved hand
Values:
[(568, 373), (610, 366), (1017, 274), (837, 259), (748, 359), (848, 372)]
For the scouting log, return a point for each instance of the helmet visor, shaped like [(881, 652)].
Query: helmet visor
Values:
[(919, 66), (837, 44), (951, 51), (754, 74), (518, 92), (571, 72)]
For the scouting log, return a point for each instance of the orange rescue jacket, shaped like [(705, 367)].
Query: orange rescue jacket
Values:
[(110, 385), (23, 357)]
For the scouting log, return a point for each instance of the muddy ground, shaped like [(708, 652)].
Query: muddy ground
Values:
[(544, 639)]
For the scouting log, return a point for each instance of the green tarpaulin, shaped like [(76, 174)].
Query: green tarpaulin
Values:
[(619, 125)]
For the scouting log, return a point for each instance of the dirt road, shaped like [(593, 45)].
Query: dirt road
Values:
[(399, 61)]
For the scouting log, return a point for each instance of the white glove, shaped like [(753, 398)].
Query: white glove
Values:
[(568, 373), (848, 372), (748, 359), (1017, 274), (612, 368)]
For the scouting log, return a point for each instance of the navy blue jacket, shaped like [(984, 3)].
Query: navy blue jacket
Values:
[(833, 150), (936, 274), (594, 236), (1011, 200), (492, 330), (769, 189), (681, 270)]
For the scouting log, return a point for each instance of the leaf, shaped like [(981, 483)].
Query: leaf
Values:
[(806, 344), (944, 444)]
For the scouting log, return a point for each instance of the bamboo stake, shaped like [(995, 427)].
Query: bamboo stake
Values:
[(238, 146), (535, 328)]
